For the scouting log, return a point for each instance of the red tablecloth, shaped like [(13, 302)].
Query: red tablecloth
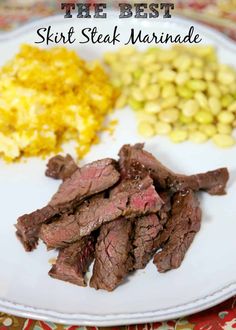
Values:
[(220, 14)]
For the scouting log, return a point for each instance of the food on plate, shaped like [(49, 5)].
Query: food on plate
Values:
[(60, 167), (128, 199), (84, 182), (183, 92), (73, 261), (146, 230), (113, 255), (179, 232), (213, 182), (120, 214), (48, 97)]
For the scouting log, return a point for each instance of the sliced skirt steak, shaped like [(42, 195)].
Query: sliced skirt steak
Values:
[(113, 259), (179, 232), (129, 199), (73, 261), (146, 230), (84, 182), (59, 167), (213, 182)]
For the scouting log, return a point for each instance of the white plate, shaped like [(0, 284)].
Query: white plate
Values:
[(208, 273)]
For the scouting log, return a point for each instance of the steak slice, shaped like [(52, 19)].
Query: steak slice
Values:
[(181, 228), (59, 167), (129, 199), (146, 231), (164, 212), (73, 261), (213, 182), (146, 228), (86, 181), (28, 226), (113, 259)]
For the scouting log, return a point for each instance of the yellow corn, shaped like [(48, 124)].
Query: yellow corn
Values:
[(162, 128), (144, 116), (198, 62), (144, 80), (137, 94), (198, 137), (226, 77), (204, 117), (168, 91), (227, 100), (214, 105), (224, 128), (153, 68), (152, 92), (182, 63), (209, 75), (208, 129), (52, 96), (225, 89), (223, 140), (152, 107), (170, 102), (185, 92), (185, 89), (149, 59), (169, 116), (185, 119), (181, 78), (192, 126), (213, 90), (201, 99), (121, 102), (232, 107), (197, 85), (126, 78), (146, 129), (226, 117), (190, 108), (196, 73), (167, 75), (178, 135), (137, 73), (136, 105)]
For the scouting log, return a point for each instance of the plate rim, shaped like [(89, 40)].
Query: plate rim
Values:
[(83, 319), (120, 319)]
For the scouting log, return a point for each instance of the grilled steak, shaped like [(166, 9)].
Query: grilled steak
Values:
[(184, 223), (132, 170), (113, 260), (146, 230), (73, 261), (164, 212), (213, 182), (28, 226), (129, 199), (59, 167), (133, 209), (86, 181)]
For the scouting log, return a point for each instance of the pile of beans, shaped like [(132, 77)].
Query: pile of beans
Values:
[(182, 92)]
